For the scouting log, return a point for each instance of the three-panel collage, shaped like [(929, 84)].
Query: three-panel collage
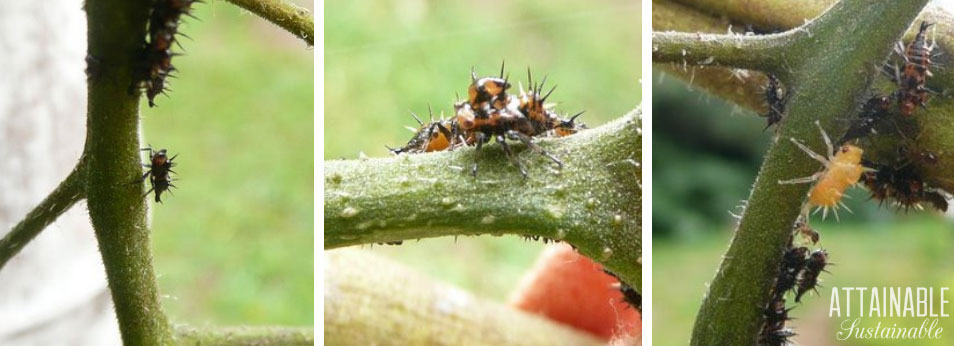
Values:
[(608, 172)]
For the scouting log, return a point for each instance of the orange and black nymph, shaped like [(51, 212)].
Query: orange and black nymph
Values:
[(912, 78)]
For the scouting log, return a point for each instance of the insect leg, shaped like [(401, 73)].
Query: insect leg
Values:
[(147, 192), (831, 151), (481, 138), (804, 180), (513, 159), (529, 142), (811, 153)]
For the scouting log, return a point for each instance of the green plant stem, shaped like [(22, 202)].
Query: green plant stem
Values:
[(114, 192), (397, 306), (593, 203), (745, 88), (227, 336), (293, 19), (829, 77), (71, 190), (761, 52), (765, 14)]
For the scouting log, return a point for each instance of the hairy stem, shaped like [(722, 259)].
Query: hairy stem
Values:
[(593, 203), (71, 190), (397, 306), (766, 15), (293, 19), (763, 52), (829, 78), (245, 336), (114, 192)]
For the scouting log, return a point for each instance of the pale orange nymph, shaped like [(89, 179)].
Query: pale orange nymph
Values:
[(843, 169)]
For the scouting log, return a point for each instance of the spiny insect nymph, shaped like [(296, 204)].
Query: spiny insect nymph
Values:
[(912, 78), (842, 169), (159, 167)]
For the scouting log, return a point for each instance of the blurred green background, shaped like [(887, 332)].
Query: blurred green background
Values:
[(234, 244), (383, 58), (706, 153)]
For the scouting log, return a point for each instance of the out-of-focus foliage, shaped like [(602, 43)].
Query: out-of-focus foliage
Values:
[(384, 58), (234, 243)]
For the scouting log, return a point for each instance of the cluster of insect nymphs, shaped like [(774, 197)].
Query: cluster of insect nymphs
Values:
[(899, 179), (155, 63), (160, 165), (490, 112), (153, 67), (798, 273)]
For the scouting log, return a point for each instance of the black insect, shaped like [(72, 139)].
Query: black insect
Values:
[(793, 261), (155, 61), (813, 267), (630, 295), (776, 337), (902, 182), (159, 166), (776, 315), (774, 100), (872, 113)]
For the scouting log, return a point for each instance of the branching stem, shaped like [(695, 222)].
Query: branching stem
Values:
[(117, 208), (293, 19), (71, 190), (828, 78), (762, 52)]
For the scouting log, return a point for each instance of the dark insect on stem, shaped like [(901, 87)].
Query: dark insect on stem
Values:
[(160, 165), (630, 295), (155, 61), (872, 113), (94, 68), (814, 266), (793, 261), (902, 181), (535, 237), (774, 99)]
